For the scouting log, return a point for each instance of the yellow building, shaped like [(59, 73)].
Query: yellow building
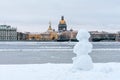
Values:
[(50, 34), (33, 36)]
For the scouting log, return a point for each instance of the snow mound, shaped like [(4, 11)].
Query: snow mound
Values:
[(101, 71), (82, 63)]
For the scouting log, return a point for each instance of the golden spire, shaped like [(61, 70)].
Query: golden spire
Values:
[(49, 26)]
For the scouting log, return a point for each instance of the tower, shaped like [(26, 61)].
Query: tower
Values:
[(62, 25), (50, 28)]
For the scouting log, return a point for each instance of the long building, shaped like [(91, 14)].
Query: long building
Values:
[(8, 33)]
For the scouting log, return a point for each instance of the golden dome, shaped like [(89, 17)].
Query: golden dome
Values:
[(62, 22)]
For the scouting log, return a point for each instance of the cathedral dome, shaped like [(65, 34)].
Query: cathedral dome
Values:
[(62, 21), (62, 25)]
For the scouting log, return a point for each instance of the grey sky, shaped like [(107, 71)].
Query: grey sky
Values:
[(34, 15)]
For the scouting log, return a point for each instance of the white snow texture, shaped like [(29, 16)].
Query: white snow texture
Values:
[(82, 61)]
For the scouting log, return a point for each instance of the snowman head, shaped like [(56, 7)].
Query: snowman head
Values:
[(82, 35)]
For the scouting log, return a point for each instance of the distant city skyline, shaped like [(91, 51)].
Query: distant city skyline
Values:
[(34, 15)]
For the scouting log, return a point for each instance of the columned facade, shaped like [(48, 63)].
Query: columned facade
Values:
[(8, 33)]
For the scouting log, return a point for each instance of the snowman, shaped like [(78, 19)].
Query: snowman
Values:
[(82, 61)]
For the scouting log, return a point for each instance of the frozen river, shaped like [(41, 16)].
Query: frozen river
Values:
[(54, 52)]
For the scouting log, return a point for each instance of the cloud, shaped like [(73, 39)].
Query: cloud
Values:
[(32, 13)]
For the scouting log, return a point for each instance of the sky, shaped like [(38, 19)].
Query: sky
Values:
[(34, 15)]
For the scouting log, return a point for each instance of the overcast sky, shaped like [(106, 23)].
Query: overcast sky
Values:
[(34, 15)]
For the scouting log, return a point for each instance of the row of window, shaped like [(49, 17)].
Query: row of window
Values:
[(8, 38), (12, 34), (8, 33)]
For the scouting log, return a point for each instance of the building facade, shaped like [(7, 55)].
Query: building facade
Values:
[(8, 33), (118, 36), (33, 36), (21, 36), (102, 36), (49, 35)]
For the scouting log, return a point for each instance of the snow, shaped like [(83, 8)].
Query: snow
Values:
[(101, 71), (82, 61), (82, 35)]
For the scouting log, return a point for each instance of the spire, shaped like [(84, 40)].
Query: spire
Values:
[(50, 26), (49, 23)]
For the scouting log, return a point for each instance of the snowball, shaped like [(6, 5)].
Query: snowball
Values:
[(83, 62), (82, 48), (82, 35)]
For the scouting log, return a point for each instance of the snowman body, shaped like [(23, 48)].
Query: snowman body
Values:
[(82, 61)]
